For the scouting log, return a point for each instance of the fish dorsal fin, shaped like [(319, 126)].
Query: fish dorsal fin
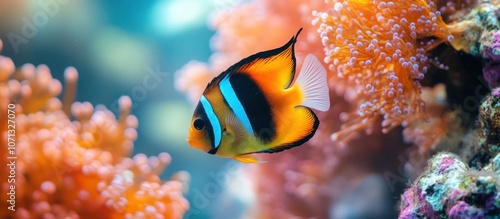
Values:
[(275, 68), (312, 82), (234, 126)]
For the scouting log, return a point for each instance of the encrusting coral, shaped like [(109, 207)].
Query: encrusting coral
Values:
[(488, 134), (483, 143), (75, 168), (477, 32), (450, 188)]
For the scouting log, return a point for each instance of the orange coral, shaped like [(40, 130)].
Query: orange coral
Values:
[(430, 133), (80, 168), (377, 48)]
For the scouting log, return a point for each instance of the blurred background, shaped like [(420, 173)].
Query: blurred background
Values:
[(117, 46)]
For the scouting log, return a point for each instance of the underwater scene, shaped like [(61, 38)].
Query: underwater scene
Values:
[(251, 109)]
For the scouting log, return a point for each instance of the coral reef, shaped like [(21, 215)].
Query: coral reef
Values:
[(488, 134), (449, 189), (77, 168), (483, 143), (393, 63), (378, 49), (477, 33), (491, 51), (300, 182)]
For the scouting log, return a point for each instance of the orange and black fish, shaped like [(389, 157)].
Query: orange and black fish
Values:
[(253, 107)]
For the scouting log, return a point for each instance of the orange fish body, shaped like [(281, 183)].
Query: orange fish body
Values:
[(252, 107)]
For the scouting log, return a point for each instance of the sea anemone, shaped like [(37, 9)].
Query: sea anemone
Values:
[(379, 49), (429, 133), (77, 168)]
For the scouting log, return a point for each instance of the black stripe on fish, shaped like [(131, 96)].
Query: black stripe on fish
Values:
[(256, 106), (200, 111)]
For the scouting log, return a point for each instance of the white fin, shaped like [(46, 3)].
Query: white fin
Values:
[(312, 82)]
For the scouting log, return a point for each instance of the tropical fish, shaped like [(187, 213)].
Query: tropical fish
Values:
[(253, 107)]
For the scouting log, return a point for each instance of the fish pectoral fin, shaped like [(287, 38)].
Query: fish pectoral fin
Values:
[(235, 127), (248, 158)]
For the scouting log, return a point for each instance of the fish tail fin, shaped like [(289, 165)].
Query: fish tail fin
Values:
[(312, 82)]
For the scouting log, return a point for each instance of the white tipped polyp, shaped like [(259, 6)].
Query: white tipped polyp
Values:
[(165, 158), (125, 102), (338, 6), (313, 83), (450, 38), (71, 74)]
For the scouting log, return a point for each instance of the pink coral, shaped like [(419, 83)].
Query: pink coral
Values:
[(79, 168)]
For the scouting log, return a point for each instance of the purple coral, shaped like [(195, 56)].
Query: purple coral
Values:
[(491, 50), (476, 32), (448, 189), (446, 163), (462, 209), (491, 46), (488, 135)]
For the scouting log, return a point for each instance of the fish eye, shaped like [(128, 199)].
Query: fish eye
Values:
[(199, 124)]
